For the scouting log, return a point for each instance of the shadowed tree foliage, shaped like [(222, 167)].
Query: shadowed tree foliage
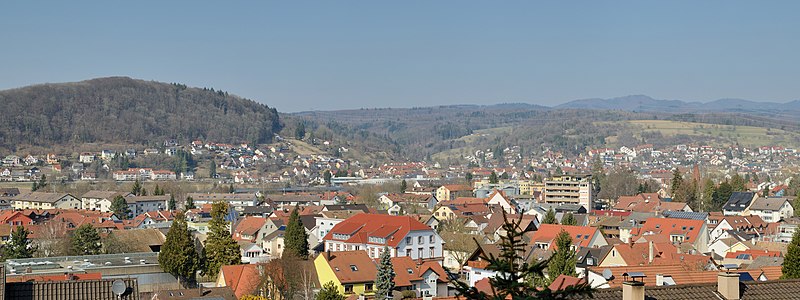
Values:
[(563, 259), (220, 248), (791, 262), (296, 238), (384, 283), (513, 271), (19, 246), (178, 255), (329, 292), (569, 219), (86, 240), (68, 113), (549, 217), (120, 208)]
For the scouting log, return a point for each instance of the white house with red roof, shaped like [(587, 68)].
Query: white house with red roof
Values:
[(673, 230), (404, 235), (582, 236)]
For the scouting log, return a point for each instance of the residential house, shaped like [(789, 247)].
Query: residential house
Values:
[(425, 278), (693, 233), (100, 200), (739, 203), (772, 209), (582, 236), (141, 204), (404, 235), (651, 253), (42, 200), (242, 279), (352, 272), (237, 201), (453, 191), (648, 202)]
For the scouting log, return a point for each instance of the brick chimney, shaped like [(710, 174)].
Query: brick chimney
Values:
[(650, 250), (728, 285), (633, 290)]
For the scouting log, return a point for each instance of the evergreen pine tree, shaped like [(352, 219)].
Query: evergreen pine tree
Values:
[(178, 255), (493, 177), (190, 202), (295, 237), (796, 205), (384, 283), (137, 188), (677, 181), (327, 176), (549, 217), (171, 202), (512, 271), (230, 189), (220, 248), (120, 208), (329, 292), (569, 219), (791, 262), (42, 182), (563, 259), (212, 169), (35, 186), (18, 245), (468, 177), (86, 241), (403, 186)]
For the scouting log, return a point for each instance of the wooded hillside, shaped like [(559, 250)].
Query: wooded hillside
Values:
[(127, 111)]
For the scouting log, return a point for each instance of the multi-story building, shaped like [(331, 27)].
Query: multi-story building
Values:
[(569, 189), (40, 200), (100, 200), (236, 200), (403, 235)]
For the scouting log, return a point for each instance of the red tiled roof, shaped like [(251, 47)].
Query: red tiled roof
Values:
[(351, 266), (242, 279), (563, 281), (249, 226), (361, 226), (689, 229), (754, 253), (547, 233)]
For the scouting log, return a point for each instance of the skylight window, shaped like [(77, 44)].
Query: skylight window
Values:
[(410, 271), (353, 268)]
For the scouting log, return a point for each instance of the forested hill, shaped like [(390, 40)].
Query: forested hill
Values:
[(121, 110)]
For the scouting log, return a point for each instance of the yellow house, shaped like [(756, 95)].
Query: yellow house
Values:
[(352, 272), (452, 191), (444, 213)]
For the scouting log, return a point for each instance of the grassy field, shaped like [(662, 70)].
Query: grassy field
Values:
[(744, 135), (304, 148), (471, 140)]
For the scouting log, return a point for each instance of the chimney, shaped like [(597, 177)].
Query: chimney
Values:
[(728, 285), (633, 290), (650, 251), (659, 279)]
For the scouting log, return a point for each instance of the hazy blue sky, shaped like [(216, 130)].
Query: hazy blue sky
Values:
[(299, 55)]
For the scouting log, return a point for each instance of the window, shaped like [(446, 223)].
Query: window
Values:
[(408, 252), (368, 287), (590, 261), (419, 253), (353, 268), (431, 239), (409, 241), (420, 240), (348, 288), (432, 251)]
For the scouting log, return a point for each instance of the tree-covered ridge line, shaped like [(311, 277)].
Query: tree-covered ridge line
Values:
[(129, 111)]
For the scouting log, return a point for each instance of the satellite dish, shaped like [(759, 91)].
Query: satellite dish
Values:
[(118, 287), (607, 274)]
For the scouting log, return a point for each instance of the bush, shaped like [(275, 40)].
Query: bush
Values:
[(409, 294)]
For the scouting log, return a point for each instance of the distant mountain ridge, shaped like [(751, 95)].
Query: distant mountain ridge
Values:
[(642, 103)]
